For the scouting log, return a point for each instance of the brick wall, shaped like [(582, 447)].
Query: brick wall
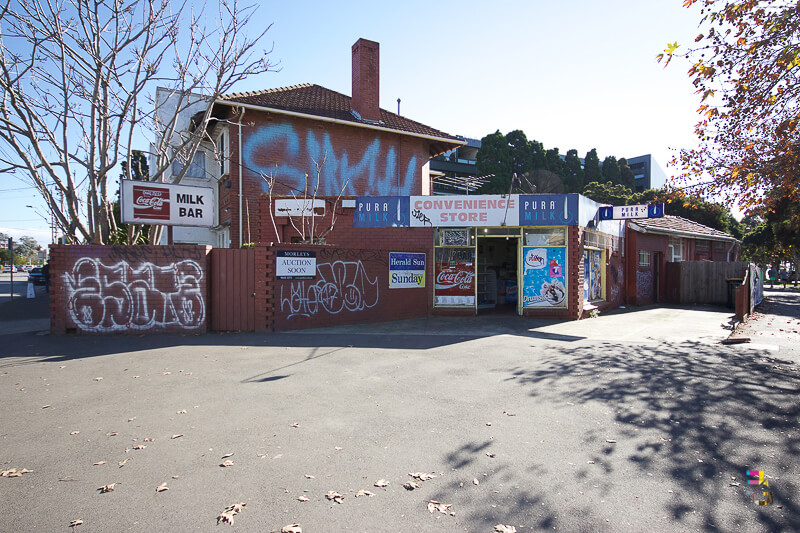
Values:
[(351, 287), (354, 161), (639, 280), (129, 289)]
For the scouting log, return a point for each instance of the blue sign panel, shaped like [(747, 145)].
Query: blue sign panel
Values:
[(655, 211), (628, 212), (548, 209), (381, 212)]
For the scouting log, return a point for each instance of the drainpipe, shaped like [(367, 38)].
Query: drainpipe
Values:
[(241, 117), (733, 243)]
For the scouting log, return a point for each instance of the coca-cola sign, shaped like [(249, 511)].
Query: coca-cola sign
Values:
[(451, 278), (150, 202)]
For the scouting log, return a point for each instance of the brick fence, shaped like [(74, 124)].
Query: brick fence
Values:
[(129, 289)]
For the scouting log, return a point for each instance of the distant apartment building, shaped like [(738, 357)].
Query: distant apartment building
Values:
[(647, 173), (456, 171)]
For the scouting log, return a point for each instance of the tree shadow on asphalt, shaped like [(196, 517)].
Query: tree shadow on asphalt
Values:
[(717, 413), (781, 303)]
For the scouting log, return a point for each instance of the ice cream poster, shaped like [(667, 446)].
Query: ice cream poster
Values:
[(544, 284)]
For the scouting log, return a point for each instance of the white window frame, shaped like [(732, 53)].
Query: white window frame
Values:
[(644, 258), (198, 164), (223, 152), (676, 248)]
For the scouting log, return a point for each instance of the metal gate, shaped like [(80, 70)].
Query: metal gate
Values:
[(232, 291)]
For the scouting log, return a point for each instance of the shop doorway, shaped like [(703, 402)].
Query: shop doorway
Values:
[(497, 275)]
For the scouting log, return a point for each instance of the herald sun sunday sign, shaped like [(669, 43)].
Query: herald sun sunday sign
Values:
[(146, 202)]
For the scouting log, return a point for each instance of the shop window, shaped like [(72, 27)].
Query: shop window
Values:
[(545, 236), (455, 276), (644, 258), (544, 263), (594, 275), (454, 237)]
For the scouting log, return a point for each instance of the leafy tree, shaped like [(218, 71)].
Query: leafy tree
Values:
[(554, 162), (494, 157), (610, 170), (610, 193), (539, 155), (591, 167), (573, 173), (627, 177), (27, 247), (78, 83), (519, 151), (745, 66)]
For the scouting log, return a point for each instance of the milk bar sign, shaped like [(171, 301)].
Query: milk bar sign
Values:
[(295, 264), (171, 205), (629, 212)]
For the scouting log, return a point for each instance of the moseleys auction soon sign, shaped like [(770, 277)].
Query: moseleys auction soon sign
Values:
[(295, 264), (146, 202)]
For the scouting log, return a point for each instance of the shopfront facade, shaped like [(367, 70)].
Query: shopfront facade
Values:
[(541, 255)]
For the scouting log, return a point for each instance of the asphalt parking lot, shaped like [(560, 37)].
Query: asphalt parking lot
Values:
[(628, 422)]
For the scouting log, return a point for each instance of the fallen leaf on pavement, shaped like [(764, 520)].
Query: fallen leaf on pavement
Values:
[(488, 423), (225, 464), (148, 439), (229, 512), (292, 528), (122, 463), (612, 441), (140, 447), (381, 483), (262, 455), (14, 472), (46, 406), (226, 456), (106, 488), (422, 476), (302, 499), (508, 414), (309, 476), (98, 463), (132, 419), (75, 523), (177, 436), (411, 485), (295, 425), (181, 412), (475, 481), (492, 455), (500, 528), (74, 432), (62, 366), (433, 505), (338, 448), (98, 379), (162, 487), (166, 373), (335, 496), (364, 493)]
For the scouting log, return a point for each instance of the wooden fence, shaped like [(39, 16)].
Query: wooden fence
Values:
[(705, 282)]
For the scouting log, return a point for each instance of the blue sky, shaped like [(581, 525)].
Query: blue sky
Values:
[(572, 74)]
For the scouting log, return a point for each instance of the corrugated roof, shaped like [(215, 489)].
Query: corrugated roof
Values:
[(312, 99), (675, 224)]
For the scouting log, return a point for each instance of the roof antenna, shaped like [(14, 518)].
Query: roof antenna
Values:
[(398, 106)]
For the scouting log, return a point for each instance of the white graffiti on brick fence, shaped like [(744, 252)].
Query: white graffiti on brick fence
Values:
[(121, 297), (342, 286)]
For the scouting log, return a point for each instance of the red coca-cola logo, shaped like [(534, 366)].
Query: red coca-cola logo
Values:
[(150, 203), (454, 278)]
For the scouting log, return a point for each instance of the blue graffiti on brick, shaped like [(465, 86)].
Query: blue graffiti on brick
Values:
[(277, 150)]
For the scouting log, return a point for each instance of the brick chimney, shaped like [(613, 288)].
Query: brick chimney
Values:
[(366, 71)]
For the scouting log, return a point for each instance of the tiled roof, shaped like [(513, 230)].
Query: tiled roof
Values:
[(674, 224), (311, 99)]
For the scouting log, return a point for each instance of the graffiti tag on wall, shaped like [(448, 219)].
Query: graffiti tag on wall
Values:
[(102, 298), (342, 286), (644, 284), (374, 172)]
